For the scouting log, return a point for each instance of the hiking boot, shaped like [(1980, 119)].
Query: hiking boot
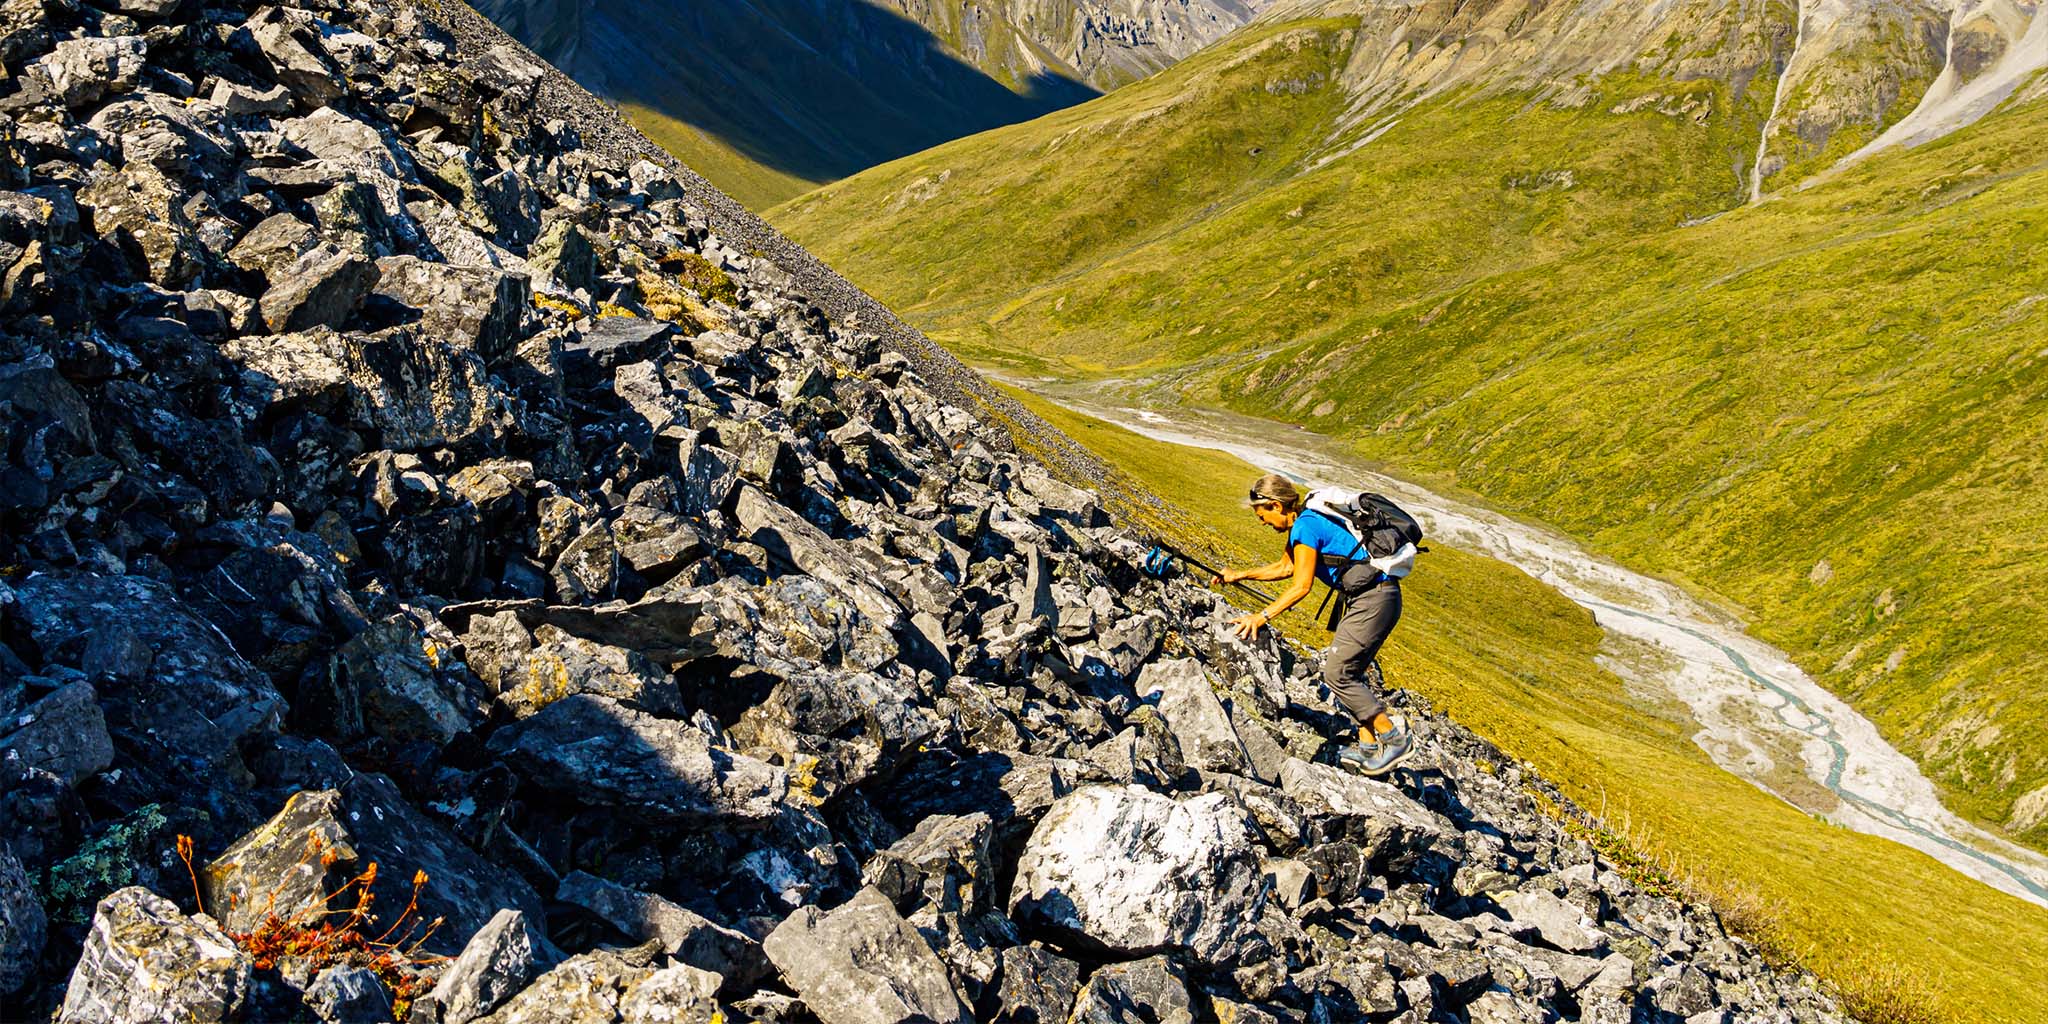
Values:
[(1386, 755), (1355, 758)]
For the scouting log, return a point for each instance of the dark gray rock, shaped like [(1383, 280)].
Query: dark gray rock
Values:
[(610, 342), (401, 680), (1032, 986), (501, 959), (365, 821), (23, 927), (1560, 924), (947, 862), (140, 212), (1396, 834), (63, 734), (557, 664), (676, 994), (187, 717), (1149, 991), (1187, 700), (863, 964), (564, 253), (145, 962), (583, 989), (238, 100), (275, 243), (477, 308), (655, 543), (288, 41), (349, 995), (323, 288), (598, 751), (792, 541), (588, 568), (682, 934)]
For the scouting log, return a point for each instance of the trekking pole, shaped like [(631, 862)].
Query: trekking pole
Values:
[(1156, 561)]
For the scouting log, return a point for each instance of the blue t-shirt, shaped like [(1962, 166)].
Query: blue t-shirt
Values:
[(1322, 533)]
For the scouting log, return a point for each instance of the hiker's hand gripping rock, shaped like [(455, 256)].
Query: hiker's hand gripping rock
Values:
[(1248, 626)]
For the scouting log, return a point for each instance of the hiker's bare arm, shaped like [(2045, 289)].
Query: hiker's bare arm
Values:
[(1280, 570), (1304, 576)]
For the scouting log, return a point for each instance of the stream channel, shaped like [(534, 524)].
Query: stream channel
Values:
[(1760, 716)]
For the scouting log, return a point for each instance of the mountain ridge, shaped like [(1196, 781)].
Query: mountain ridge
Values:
[(772, 97)]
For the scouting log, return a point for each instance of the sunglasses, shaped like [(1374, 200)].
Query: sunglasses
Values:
[(1259, 499)]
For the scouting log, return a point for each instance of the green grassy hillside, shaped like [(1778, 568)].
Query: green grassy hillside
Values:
[(1824, 410), (1513, 660)]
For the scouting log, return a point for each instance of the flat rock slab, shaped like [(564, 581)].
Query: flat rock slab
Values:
[(599, 751), (863, 964), (1560, 924), (1135, 872)]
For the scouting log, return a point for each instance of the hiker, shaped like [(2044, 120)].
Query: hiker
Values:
[(1368, 591)]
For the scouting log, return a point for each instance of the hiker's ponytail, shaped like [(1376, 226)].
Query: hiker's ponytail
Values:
[(1274, 487)]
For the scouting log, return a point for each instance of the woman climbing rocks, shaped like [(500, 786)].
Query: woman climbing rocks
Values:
[(1368, 591)]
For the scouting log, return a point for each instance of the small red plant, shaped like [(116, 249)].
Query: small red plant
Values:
[(334, 930)]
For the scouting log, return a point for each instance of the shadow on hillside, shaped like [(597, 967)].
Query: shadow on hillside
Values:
[(818, 89)]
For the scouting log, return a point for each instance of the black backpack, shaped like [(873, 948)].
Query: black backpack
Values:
[(1374, 518)]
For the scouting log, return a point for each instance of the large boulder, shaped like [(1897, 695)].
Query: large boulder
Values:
[(145, 962), (598, 751), (290, 865), (863, 964), (1133, 872), (80, 71), (322, 288)]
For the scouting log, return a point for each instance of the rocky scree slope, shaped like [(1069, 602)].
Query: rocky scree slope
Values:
[(393, 478)]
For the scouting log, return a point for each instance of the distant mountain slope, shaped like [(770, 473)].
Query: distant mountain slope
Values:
[(1519, 246), (770, 97)]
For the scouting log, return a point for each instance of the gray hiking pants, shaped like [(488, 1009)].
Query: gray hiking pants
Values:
[(1361, 629)]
